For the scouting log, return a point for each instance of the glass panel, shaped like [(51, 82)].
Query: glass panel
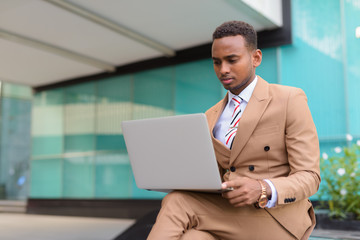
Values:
[(114, 106), (113, 176), (47, 123), (197, 87), (11, 90), (115, 89), (79, 177), (352, 21), (46, 178), (80, 118), (153, 93), (49, 97), (314, 63), (47, 145), (79, 143), (268, 68), (110, 142), (15, 148)]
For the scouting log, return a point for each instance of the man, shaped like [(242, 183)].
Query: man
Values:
[(267, 149)]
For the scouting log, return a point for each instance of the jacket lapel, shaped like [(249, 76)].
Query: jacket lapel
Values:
[(254, 110), (213, 117)]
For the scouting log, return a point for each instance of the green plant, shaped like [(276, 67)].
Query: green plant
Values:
[(340, 189)]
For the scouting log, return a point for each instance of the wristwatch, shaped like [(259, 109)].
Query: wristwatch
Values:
[(263, 200)]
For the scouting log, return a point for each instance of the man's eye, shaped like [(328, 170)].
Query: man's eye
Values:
[(232, 61), (216, 63)]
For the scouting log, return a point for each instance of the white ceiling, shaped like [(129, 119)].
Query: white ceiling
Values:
[(174, 24)]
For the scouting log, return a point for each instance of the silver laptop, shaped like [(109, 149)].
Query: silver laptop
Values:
[(172, 153)]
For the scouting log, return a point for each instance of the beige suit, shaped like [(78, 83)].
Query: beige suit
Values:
[(276, 140)]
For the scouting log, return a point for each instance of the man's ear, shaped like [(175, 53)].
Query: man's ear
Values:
[(257, 57)]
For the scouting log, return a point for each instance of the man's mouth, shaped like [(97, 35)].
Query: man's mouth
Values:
[(226, 80)]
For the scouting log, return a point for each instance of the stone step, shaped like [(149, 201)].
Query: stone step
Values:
[(12, 206)]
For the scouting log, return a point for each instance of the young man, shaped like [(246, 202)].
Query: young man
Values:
[(267, 149)]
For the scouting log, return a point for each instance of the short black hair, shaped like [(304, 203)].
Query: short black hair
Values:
[(234, 28)]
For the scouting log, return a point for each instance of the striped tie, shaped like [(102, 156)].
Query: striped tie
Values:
[(230, 134)]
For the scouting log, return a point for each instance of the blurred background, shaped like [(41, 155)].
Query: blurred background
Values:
[(72, 71)]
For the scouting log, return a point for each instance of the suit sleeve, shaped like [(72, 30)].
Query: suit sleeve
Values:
[(302, 146)]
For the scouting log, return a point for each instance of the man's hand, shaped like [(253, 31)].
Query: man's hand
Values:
[(246, 191)]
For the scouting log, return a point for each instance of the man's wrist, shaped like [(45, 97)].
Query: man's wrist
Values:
[(268, 189), (272, 202)]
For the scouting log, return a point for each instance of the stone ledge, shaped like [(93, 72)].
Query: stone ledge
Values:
[(12, 206), (335, 234), (325, 223)]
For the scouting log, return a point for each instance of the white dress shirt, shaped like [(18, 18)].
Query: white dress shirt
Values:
[(222, 126)]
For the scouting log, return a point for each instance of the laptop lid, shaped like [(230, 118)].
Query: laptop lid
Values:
[(172, 153)]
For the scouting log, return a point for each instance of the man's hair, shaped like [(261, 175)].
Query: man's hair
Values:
[(234, 28)]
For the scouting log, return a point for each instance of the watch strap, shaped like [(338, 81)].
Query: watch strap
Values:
[(263, 196)]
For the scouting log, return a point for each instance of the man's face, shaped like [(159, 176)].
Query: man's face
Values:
[(234, 62)]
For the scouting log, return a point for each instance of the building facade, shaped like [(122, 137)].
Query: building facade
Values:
[(78, 151)]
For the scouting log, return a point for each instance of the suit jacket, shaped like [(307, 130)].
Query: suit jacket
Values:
[(276, 140)]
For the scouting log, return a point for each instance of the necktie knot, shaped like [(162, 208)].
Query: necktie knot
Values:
[(237, 100)]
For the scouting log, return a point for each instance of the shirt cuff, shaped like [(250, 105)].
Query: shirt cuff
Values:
[(271, 203)]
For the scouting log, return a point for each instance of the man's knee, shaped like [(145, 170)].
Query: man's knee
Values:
[(198, 235), (174, 197)]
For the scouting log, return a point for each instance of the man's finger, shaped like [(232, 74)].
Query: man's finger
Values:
[(231, 194), (232, 184), (229, 184)]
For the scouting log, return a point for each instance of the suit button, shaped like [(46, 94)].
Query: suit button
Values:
[(251, 168), (232, 169), (266, 148)]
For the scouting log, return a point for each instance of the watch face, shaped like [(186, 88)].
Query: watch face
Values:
[(262, 202)]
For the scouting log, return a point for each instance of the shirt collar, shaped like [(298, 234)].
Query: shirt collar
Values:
[(246, 93)]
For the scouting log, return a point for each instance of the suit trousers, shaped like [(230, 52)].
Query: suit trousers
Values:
[(208, 216)]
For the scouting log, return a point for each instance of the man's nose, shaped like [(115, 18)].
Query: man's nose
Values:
[(224, 68)]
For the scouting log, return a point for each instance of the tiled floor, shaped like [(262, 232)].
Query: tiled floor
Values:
[(15, 226)]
